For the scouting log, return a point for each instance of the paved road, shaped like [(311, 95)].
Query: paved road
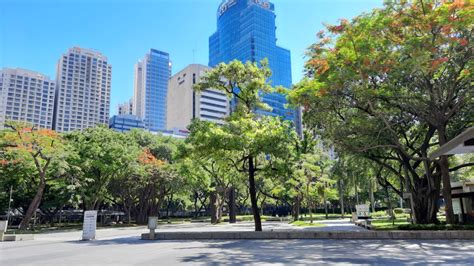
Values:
[(123, 247)]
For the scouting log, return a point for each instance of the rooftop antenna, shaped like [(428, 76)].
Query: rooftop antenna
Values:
[(194, 56)]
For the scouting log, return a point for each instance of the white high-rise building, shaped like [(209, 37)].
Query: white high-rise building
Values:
[(125, 108), (185, 104), (83, 90), (152, 74), (26, 96)]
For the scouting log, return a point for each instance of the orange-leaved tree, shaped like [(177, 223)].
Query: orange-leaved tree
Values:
[(40, 149)]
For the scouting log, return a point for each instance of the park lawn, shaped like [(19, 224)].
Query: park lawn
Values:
[(249, 217), (387, 224), (322, 217), (305, 223)]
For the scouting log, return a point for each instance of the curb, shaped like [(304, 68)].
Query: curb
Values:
[(19, 237), (428, 235)]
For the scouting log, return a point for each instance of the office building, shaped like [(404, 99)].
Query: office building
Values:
[(246, 31), (83, 90), (185, 104), (125, 108), (26, 96), (151, 85), (124, 123)]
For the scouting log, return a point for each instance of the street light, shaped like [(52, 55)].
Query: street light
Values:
[(10, 200)]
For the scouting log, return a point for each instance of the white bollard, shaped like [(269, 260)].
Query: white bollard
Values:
[(152, 224)]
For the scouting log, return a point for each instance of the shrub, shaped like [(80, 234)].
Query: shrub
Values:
[(435, 227), (399, 210)]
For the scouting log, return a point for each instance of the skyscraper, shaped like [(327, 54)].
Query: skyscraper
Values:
[(151, 86), (185, 104), (83, 90), (26, 96), (246, 32)]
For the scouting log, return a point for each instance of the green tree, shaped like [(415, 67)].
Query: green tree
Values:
[(392, 85), (244, 133), (103, 155)]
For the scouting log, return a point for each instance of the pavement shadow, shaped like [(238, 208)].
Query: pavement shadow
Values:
[(393, 252), (129, 240)]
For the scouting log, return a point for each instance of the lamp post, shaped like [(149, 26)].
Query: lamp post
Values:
[(9, 204)]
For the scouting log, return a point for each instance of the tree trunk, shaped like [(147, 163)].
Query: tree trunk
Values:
[(325, 205), (425, 208), (310, 203), (33, 205), (341, 197), (372, 198), (356, 193), (232, 207), (196, 196), (389, 205), (214, 202), (444, 167), (253, 195), (296, 208)]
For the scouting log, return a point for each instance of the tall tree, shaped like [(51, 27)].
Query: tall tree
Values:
[(392, 85), (245, 133)]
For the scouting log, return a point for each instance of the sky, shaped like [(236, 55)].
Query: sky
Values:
[(35, 33)]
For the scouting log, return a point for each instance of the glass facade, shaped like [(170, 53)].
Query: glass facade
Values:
[(246, 32), (123, 123), (156, 71)]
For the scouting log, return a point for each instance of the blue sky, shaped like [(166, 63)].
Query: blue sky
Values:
[(35, 33)]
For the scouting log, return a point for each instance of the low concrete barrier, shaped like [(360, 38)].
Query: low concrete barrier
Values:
[(21, 237), (311, 235)]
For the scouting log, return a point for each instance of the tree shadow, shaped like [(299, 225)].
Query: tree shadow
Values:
[(129, 240), (382, 252)]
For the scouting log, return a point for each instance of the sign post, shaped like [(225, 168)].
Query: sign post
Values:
[(90, 225), (363, 211)]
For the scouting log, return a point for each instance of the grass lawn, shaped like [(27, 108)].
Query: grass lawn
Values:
[(322, 217), (305, 223), (386, 224)]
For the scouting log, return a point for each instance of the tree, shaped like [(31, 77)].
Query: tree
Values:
[(150, 177), (216, 171), (40, 149), (392, 85), (103, 155), (244, 133)]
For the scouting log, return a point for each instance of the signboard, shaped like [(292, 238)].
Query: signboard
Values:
[(223, 8), (90, 225), (457, 206), (363, 210), (3, 226), (262, 3)]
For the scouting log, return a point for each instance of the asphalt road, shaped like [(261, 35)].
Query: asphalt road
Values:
[(123, 247)]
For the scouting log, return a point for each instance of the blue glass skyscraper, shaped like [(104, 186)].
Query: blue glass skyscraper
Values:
[(246, 32), (151, 87)]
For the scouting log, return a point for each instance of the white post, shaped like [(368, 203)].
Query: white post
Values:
[(10, 204), (152, 224)]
